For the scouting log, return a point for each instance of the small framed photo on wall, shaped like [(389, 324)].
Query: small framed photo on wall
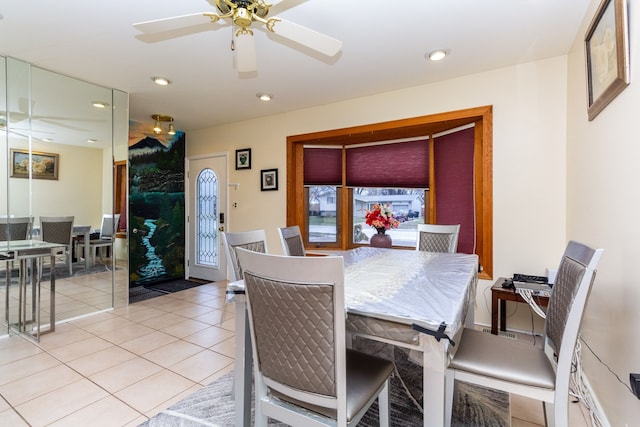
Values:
[(243, 158), (269, 180)]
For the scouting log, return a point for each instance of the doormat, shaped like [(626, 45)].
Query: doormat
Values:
[(152, 290), (175, 285)]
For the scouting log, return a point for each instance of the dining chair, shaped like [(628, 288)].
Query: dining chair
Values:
[(11, 229), (291, 239), (304, 374), (59, 229), (538, 373), (107, 233), (255, 240), (438, 238), (15, 228)]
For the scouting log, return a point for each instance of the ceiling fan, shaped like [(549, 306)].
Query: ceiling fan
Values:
[(243, 13)]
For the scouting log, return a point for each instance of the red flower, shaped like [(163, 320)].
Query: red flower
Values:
[(381, 217)]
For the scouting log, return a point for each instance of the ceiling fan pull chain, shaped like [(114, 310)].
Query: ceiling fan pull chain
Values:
[(233, 37)]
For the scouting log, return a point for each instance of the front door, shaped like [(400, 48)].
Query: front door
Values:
[(206, 216)]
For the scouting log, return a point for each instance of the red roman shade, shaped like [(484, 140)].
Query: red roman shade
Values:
[(322, 166), (393, 165)]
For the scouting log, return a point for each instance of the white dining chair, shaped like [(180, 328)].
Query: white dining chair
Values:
[(291, 239), (59, 229), (304, 374), (254, 240), (107, 234), (438, 238), (524, 369)]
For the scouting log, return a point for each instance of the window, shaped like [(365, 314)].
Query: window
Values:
[(407, 204), (335, 145), (207, 218)]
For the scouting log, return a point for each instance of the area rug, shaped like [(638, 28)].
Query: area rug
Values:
[(474, 406)]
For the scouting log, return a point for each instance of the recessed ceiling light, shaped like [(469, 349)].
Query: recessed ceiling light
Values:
[(438, 54), (100, 104), (160, 81), (264, 96)]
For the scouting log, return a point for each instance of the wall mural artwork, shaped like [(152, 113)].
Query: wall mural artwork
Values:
[(156, 205)]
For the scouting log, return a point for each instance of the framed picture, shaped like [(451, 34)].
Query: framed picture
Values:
[(607, 54), (243, 158), (43, 165), (268, 179)]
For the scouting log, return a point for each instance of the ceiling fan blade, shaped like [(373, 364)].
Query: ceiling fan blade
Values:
[(245, 52), (307, 37), (279, 6), (173, 23)]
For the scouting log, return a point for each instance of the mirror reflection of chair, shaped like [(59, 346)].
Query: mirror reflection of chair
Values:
[(11, 229), (523, 369), (15, 228), (438, 238), (291, 239), (107, 234), (59, 229), (304, 375), (255, 240)]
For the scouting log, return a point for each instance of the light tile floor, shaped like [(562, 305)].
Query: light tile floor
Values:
[(120, 367)]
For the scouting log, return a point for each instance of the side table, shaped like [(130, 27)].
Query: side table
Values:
[(499, 298)]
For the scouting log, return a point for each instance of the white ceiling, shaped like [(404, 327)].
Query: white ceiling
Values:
[(384, 47)]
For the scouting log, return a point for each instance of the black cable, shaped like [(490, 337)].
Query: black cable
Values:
[(627, 386)]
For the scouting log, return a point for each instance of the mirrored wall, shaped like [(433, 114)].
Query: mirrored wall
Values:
[(71, 133)]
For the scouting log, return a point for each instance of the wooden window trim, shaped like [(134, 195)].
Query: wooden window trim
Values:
[(428, 125)]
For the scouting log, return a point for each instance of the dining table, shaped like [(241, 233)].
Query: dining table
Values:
[(412, 299), (26, 253)]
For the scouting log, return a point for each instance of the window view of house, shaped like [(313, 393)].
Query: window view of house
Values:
[(408, 206)]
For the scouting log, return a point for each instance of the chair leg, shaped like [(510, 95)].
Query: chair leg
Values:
[(555, 416), (383, 405), (448, 397)]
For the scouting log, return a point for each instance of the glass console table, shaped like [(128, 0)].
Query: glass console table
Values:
[(27, 252)]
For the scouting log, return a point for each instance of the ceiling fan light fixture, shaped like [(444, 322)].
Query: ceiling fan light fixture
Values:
[(438, 54), (172, 128), (264, 97), (161, 81)]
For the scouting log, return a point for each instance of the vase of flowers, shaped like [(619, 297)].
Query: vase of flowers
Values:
[(381, 218)]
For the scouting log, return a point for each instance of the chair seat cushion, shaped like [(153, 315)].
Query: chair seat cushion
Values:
[(504, 359), (365, 375)]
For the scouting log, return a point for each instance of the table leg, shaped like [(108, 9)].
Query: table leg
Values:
[(52, 296), (503, 314), (7, 265), (494, 313), (88, 260), (242, 371), (433, 377)]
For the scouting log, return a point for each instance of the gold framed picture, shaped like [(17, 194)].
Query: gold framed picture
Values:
[(607, 55), (42, 165)]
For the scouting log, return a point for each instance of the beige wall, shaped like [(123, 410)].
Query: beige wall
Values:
[(78, 190), (529, 159), (602, 208), (556, 177)]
